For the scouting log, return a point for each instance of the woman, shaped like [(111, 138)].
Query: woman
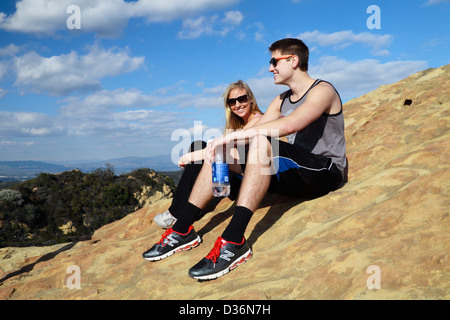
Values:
[(241, 111)]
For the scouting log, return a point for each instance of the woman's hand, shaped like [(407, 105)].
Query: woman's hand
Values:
[(196, 157), (184, 159)]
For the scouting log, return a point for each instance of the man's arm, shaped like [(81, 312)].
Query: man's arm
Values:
[(273, 111), (319, 101)]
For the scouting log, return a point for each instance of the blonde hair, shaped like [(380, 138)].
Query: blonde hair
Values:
[(232, 121)]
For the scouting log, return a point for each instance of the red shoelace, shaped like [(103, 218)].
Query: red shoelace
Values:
[(215, 252), (164, 236), (169, 231)]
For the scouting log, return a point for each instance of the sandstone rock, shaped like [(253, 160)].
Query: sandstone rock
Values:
[(392, 214), (148, 195)]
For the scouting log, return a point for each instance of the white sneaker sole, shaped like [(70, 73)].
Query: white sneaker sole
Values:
[(186, 247), (242, 259)]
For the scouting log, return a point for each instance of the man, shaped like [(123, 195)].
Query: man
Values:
[(311, 164)]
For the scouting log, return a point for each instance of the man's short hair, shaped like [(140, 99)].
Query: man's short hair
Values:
[(293, 46)]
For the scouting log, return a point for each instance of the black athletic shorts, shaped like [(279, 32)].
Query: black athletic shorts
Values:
[(299, 173)]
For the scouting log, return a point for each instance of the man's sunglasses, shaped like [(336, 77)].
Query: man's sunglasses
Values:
[(241, 99), (274, 61)]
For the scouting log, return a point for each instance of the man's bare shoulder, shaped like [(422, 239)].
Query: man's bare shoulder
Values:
[(326, 95), (325, 87)]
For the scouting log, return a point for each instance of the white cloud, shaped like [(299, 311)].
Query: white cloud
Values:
[(104, 102), (60, 75), (259, 35), (353, 79), (233, 18), (102, 115), (14, 143), (342, 39), (164, 10), (197, 27), (194, 28), (130, 104), (131, 113), (142, 124), (9, 50), (6, 55), (26, 124), (38, 17), (3, 69), (104, 17)]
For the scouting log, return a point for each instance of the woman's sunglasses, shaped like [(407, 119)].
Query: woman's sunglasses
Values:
[(241, 99), (274, 61)]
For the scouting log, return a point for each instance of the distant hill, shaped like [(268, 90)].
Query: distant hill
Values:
[(23, 170), (122, 165)]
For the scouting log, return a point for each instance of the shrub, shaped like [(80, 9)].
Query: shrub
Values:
[(11, 197), (32, 212)]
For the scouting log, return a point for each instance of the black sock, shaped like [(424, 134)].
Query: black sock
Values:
[(236, 228), (187, 218)]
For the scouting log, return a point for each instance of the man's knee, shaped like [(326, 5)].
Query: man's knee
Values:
[(259, 141), (260, 149)]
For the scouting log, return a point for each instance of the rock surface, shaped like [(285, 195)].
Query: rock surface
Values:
[(392, 214)]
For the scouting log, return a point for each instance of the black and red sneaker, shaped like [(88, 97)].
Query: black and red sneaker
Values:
[(224, 257), (171, 242)]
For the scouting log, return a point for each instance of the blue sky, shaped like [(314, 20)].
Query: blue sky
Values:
[(131, 73)]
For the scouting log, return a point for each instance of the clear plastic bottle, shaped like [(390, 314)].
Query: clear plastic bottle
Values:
[(220, 175)]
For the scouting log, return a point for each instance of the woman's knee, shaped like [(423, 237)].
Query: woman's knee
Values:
[(197, 145)]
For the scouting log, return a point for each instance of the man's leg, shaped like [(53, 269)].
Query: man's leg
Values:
[(256, 182), (201, 193), (257, 174), (231, 249)]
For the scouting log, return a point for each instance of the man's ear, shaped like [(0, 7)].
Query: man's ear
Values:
[(295, 62)]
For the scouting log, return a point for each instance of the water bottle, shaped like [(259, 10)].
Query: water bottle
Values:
[(220, 175)]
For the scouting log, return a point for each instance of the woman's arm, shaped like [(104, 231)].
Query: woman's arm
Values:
[(190, 157)]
